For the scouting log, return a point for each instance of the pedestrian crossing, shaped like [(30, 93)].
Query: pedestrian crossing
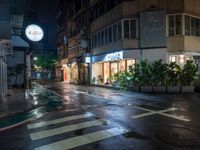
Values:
[(40, 131)]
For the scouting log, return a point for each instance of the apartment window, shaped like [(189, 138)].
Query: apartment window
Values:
[(171, 26), (110, 34), (198, 27), (106, 36), (130, 28), (114, 32), (102, 37), (133, 28), (95, 38), (187, 25), (126, 29), (119, 30), (178, 24), (99, 38), (175, 25), (192, 26)]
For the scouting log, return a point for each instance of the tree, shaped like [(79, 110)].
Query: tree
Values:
[(45, 62)]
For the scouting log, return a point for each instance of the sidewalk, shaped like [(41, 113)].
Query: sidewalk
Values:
[(17, 101)]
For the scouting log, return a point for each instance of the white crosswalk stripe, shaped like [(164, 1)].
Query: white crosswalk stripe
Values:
[(60, 120), (82, 140), (65, 129), (74, 141)]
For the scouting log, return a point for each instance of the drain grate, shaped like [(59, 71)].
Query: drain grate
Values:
[(177, 136)]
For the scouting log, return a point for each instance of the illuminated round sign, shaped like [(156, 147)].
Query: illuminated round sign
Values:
[(34, 33)]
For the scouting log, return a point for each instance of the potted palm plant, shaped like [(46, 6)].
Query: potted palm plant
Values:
[(188, 74), (158, 75), (173, 78), (146, 77), (135, 77)]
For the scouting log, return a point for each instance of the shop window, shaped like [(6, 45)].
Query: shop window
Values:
[(130, 62), (114, 68), (172, 58), (106, 72), (122, 65)]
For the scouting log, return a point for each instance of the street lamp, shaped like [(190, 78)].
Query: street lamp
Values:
[(35, 58)]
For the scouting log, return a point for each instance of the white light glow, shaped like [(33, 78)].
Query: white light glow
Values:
[(34, 33)]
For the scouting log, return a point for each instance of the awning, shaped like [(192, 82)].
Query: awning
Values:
[(19, 42)]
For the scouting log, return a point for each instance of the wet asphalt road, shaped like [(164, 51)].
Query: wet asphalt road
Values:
[(105, 119)]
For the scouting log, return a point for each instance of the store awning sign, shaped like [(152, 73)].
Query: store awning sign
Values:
[(114, 56)]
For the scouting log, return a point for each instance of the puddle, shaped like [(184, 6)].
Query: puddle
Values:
[(135, 135), (79, 132)]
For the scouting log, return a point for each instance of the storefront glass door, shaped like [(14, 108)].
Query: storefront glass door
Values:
[(114, 68), (106, 72)]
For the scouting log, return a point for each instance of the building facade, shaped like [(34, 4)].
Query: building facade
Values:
[(126, 31), (123, 32), (5, 43), (73, 29)]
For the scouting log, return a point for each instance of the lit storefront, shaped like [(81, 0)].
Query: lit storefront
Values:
[(105, 66)]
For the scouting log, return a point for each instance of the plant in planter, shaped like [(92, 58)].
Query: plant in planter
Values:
[(173, 78), (100, 79), (158, 76), (188, 74), (123, 78), (134, 71), (93, 80), (146, 77)]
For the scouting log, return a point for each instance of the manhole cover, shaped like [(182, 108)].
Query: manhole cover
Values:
[(177, 136)]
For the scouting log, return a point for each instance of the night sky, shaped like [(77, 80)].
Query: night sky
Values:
[(46, 10)]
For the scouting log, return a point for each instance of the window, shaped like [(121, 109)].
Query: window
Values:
[(114, 33), (187, 25), (133, 28), (99, 38), (192, 26), (126, 29), (119, 31), (106, 36), (102, 37), (130, 62), (178, 24), (172, 58), (171, 26), (175, 25), (110, 34)]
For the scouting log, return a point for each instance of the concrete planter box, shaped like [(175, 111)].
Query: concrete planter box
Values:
[(160, 89), (173, 89), (133, 88), (187, 89), (147, 89)]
